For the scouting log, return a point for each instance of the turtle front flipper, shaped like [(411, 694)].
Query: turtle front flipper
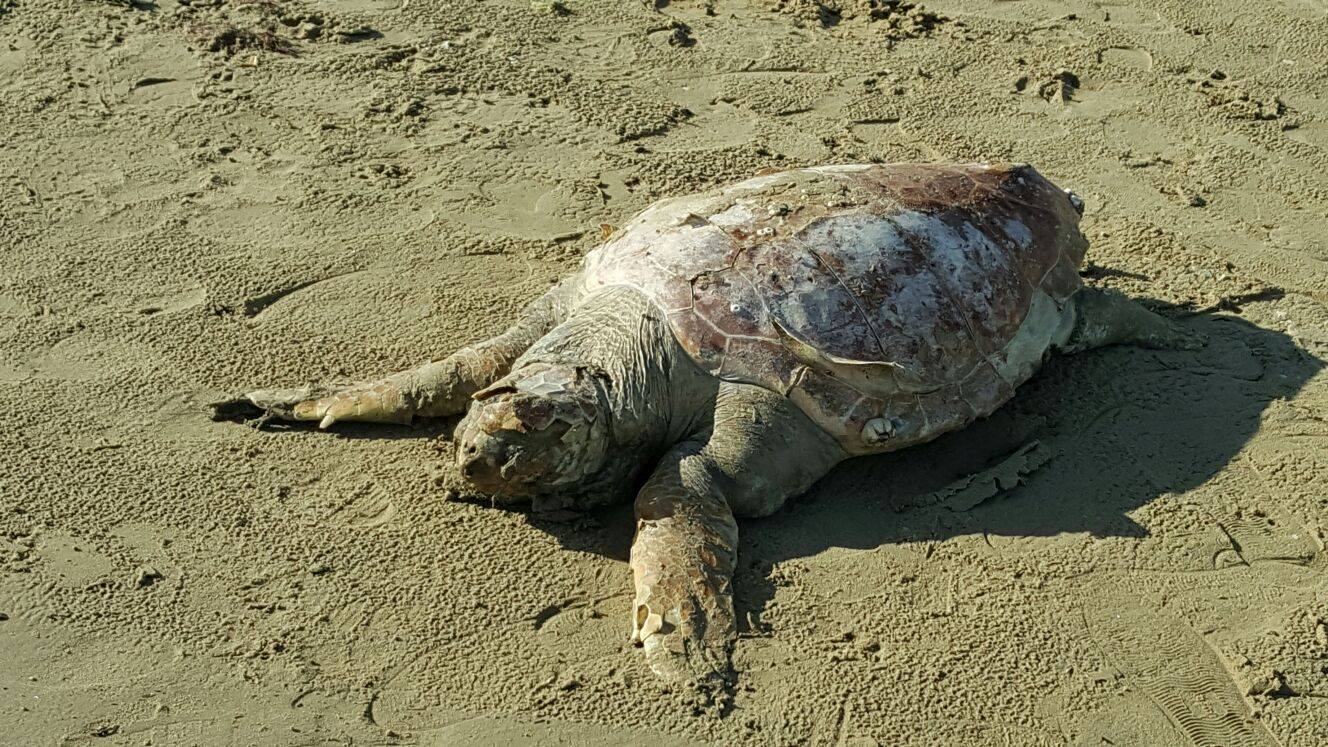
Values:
[(436, 389), (760, 451), (682, 563), (389, 400)]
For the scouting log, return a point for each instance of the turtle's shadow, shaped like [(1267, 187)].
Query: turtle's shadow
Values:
[(428, 429), (1123, 425)]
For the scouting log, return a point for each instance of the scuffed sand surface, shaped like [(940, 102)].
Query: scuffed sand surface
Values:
[(201, 198)]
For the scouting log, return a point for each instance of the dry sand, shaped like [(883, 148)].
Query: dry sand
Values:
[(227, 193)]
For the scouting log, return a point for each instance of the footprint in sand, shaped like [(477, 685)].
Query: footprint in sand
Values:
[(1132, 58), (577, 625), (1312, 133), (343, 498), (1096, 93), (1094, 97), (1258, 537), (1177, 670), (1134, 18), (85, 356), (363, 509), (171, 303)]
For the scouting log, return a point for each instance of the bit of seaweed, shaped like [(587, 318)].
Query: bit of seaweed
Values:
[(232, 40)]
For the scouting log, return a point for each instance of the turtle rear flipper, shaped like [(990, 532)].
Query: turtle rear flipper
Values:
[(1107, 317)]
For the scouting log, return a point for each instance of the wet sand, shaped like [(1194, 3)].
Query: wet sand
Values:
[(205, 197)]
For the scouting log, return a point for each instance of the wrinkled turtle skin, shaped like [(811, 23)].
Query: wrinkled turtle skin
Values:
[(891, 303)]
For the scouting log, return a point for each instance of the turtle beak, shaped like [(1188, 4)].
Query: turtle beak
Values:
[(488, 444), (481, 462)]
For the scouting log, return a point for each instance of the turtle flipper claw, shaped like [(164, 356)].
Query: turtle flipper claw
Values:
[(262, 406), (687, 651), (237, 409)]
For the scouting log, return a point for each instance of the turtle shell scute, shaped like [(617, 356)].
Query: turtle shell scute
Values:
[(897, 294)]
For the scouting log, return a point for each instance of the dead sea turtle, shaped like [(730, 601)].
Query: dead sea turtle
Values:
[(722, 351)]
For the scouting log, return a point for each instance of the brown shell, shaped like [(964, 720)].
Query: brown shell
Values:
[(890, 302)]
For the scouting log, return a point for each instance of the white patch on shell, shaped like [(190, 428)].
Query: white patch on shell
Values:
[(872, 243), (672, 212), (1076, 201), (1019, 232), (843, 168), (760, 182), (939, 237), (950, 255), (739, 214), (658, 266)]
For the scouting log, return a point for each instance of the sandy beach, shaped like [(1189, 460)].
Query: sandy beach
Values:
[(199, 197)]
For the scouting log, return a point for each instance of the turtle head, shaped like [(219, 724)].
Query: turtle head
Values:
[(540, 429)]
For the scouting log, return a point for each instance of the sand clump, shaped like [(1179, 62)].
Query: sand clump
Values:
[(202, 197)]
